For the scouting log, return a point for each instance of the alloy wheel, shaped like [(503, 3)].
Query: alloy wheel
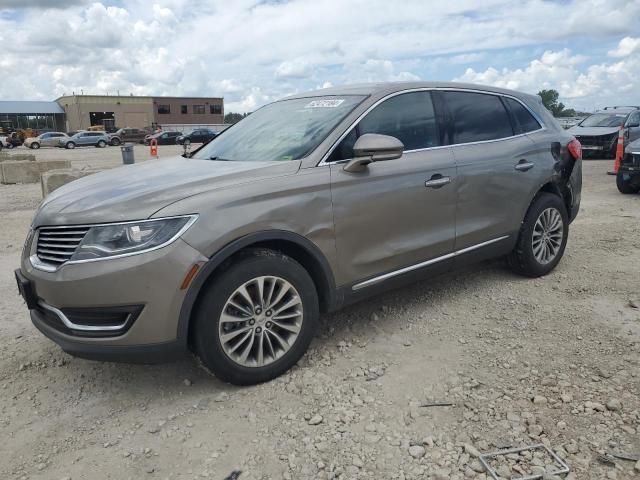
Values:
[(547, 235), (260, 321)]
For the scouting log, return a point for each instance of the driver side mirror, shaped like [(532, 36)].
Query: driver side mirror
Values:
[(633, 125), (373, 147)]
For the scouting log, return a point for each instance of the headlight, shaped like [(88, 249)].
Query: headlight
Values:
[(119, 239)]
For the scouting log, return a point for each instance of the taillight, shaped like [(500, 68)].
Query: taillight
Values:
[(575, 149)]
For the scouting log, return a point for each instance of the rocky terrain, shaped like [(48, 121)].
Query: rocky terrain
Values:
[(414, 384)]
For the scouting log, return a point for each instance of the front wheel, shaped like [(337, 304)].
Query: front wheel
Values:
[(70, 145), (101, 144), (35, 145), (115, 142), (625, 184), (257, 318), (542, 238)]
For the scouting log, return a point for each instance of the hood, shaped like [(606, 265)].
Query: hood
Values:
[(592, 131), (633, 146), (134, 192)]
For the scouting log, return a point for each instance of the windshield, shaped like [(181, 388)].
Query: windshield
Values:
[(286, 130), (604, 120)]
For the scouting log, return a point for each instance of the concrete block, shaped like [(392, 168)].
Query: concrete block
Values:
[(28, 172), (54, 179), (18, 157)]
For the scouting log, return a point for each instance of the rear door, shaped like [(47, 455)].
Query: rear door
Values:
[(396, 215), (497, 167)]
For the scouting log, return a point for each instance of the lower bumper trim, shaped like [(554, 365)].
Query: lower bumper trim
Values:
[(153, 353)]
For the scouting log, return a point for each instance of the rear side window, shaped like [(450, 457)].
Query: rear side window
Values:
[(524, 121), (477, 117), (409, 117)]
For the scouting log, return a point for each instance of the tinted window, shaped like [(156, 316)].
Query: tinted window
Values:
[(524, 121), (634, 119), (477, 117), (183, 109), (409, 117), (215, 109), (198, 109)]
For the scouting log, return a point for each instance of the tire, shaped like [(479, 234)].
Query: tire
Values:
[(101, 144), (625, 185), (218, 355), (529, 260), (186, 142), (35, 145), (115, 142), (70, 145)]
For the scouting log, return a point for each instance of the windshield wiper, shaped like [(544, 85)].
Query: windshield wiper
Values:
[(219, 159)]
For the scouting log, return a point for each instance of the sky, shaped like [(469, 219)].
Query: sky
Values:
[(252, 52)]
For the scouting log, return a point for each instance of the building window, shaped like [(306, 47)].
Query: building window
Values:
[(215, 109), (164, 109), (198, 109), (183, 109)]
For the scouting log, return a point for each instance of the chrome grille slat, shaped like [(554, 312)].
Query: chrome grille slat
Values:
[(56, 245)]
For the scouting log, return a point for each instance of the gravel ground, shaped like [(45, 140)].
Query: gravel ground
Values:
[(92, 157), (552, 360)]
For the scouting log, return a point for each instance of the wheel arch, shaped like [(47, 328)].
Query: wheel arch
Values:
[(292, 244), (554, 187)]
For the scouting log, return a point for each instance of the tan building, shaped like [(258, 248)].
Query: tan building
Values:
[(84, 111)]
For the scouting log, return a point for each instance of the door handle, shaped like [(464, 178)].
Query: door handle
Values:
[(523, 165), (437, 181)]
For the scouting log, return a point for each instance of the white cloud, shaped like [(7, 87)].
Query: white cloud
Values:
[(626, 47), (595, 86), (253, 51)]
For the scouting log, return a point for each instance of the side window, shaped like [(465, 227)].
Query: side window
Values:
[(477, 117), (525, 122), (46, 135), (409, 117), (634, 119)]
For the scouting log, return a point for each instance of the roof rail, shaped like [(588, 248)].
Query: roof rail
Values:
[(622, 106)]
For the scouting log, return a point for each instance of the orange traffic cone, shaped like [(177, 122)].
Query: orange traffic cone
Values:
[(619, 152)]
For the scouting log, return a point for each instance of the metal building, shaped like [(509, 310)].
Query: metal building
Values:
[(39, 116)]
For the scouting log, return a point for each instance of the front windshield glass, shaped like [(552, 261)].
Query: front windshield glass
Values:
[(280, 131), (604, 120)]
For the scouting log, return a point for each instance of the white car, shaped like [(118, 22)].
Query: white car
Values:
[(49, 139)]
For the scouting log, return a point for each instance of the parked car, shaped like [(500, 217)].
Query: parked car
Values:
[(598, 133), (45, 140), (163, 138), (84, 139), (628, 176), (130, 135), (308, 204), (12, 140), (200, 135)]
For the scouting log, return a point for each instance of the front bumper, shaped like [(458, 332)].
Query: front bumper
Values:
[(151, 281)]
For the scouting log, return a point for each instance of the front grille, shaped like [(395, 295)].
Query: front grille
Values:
[(56, 245), (596, 140)]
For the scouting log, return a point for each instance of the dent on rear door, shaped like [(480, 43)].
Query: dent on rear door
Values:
[(492, 194)]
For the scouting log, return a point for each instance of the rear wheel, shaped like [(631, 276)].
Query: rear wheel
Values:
[(257, 318), (115, 142), (625, 184), (543, 237), (70, 145), (101, 144)]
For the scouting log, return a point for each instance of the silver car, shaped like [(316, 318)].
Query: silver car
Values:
[(306, 205), (49, 139), (85, 139), (598, 133)]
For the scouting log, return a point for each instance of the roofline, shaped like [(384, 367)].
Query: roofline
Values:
[(137, 96)]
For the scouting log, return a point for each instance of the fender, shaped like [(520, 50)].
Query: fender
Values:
[(235, 246)]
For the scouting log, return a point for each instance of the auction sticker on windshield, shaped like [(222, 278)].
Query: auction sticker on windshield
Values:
[(324, 103)]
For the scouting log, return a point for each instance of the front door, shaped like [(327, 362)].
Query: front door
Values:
[(633, 127), (398, 214)]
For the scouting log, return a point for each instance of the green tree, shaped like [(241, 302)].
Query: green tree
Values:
[(550, 100), (232, 117)]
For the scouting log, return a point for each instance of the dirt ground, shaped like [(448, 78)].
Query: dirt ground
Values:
[(553, 360)]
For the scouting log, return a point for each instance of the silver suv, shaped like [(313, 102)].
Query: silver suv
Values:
[(308, 204)]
